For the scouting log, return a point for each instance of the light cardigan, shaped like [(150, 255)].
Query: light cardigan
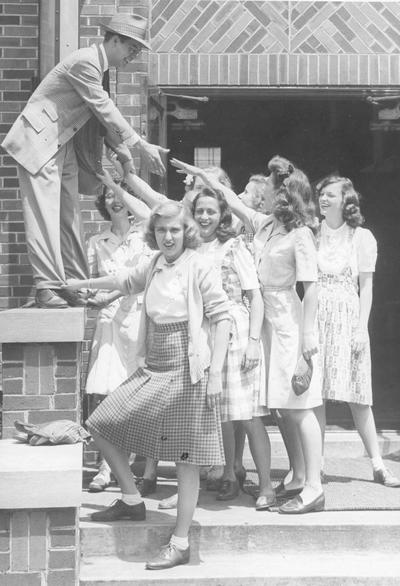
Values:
[(207, 303)]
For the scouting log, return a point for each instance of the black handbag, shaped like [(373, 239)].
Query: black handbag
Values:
[(301, 378)]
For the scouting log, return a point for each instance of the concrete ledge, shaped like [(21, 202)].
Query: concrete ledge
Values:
[(40, 477), (32, 325)]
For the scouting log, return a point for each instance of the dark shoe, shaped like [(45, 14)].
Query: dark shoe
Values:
[(74, 298), (241, 476), (264, 503), (385, 477), (297, 507), (48, 299), (146, 485), (282, 493), (229, 490), (119, 511), (169, 557)]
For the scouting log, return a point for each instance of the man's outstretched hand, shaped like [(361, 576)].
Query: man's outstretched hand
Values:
[(151, 156)]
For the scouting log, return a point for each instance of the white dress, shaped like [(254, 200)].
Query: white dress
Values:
[(282, 259), (113, 350), (342, 254)]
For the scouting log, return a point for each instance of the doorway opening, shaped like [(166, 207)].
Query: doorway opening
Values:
[(322, 136)]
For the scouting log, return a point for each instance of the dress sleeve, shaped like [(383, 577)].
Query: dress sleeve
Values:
[(244, 265), (305, 255), (256, 220), (215, 300), (133, 281), (366, 249), (92, 258)]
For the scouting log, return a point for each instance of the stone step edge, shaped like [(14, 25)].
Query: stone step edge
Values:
[(322, 519), (110, 569)]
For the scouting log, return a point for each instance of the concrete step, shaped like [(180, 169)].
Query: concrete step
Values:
[(339, 443), (279, 569), (236, 526)]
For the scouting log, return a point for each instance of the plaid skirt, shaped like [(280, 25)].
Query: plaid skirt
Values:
[(157, 412)]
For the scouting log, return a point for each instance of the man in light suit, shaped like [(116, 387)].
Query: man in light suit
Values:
[(42, 142)]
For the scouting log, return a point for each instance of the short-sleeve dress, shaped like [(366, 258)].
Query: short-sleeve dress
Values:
[(282, 259), (242, 391), (112, 354), (343, 254)]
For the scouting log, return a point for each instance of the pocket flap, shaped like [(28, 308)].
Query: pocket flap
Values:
[(34, 119)]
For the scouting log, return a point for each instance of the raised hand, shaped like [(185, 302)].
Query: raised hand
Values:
[(185, 168), (151, 156)]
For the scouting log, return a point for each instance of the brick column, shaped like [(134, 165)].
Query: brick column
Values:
[(41, 365)]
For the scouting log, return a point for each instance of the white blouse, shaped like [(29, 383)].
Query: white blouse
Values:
[(346, 247), (166, 299)]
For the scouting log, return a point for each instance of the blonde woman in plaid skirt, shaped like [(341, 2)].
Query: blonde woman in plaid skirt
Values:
[(168, 408)]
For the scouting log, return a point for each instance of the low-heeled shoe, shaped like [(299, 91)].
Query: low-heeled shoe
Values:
[(99, 483), (297, 507), (120, 511), (170, 502), (264, 502), (385, 477), (169, 557), (146, 486), (282, 493), (229, 490)]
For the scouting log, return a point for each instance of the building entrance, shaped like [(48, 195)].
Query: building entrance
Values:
[(321, 136)]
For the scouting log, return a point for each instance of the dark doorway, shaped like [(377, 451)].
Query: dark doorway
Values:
[(321, 136)]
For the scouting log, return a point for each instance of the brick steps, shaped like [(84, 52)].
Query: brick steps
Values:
[(264, 569)]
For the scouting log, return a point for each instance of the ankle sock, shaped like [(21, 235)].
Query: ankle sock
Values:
[(132, 499), (377, 463), (181, 543)]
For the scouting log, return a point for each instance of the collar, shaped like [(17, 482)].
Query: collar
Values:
[(107, 234), (162, 263), (104, 55)]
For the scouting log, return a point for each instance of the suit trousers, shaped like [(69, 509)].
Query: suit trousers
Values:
[(50, 203)]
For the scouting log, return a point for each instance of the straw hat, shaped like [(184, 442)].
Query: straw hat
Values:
[(129, 25)]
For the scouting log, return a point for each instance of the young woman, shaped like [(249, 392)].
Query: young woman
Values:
[(113, 350), (285, 254), (346, 262), (167, 409)]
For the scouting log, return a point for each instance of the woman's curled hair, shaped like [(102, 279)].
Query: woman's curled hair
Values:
[(173, 209), (350, 197), (280, 169), (225, 230), (293, 204)]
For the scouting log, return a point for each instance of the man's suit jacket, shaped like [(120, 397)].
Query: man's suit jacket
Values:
[(62, 104)]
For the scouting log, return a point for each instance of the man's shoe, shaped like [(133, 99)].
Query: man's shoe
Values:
[(146, 486), (229, 490), (169, 557), (74, 298), (48, 299), (120, 511), (297, 507), (385, 477)]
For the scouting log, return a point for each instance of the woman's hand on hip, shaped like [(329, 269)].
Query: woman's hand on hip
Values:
[(310, 346), (214, 389)]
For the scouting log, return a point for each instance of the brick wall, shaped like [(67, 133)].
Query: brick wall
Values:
[(19, 63), (258, 43), (39, 547)]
